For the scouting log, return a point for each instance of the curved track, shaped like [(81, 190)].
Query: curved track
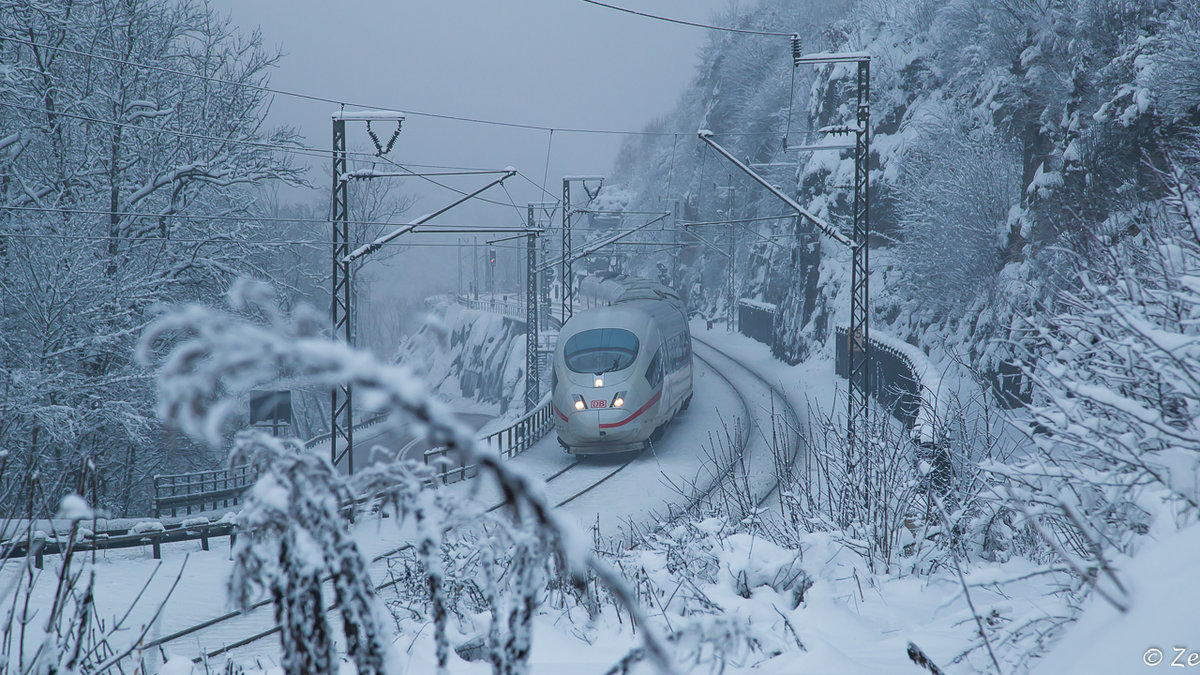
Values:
[(783, 419), (587, 485)]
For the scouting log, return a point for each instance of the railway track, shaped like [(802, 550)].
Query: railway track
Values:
[(256, 616), (754, 431), (249, 627)]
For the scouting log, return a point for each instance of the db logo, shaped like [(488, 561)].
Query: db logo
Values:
[(600, 404)]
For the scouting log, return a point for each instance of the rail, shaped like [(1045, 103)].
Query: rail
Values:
[(148, 532), (506, 307), (217, 488), (507, 442), (576, 490), (200, 490)]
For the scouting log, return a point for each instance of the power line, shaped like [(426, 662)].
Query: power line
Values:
[(319, 243), (681, 22), (694, 223), (453, 189), (299, 149), (184, 216), (306, 150), (406, 111)]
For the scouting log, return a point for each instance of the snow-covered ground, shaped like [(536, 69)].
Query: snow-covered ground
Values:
[(740, 594), (635, 495)]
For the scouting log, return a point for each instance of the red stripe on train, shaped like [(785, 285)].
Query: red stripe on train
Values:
[(653, 399), (559, 413)]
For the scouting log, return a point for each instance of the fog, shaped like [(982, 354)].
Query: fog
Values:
[(555, 63)]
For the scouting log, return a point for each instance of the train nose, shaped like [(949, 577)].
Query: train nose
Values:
[(584, 424)]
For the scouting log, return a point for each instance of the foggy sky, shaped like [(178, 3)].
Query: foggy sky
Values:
[(550, 62), (560, 63)]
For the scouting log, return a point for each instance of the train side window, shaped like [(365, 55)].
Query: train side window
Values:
[(654, 372)]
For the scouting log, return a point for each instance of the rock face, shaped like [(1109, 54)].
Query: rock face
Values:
[(468, 353)]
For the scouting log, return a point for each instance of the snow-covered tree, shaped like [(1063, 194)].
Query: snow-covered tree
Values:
[(205, 359), (131, 139)]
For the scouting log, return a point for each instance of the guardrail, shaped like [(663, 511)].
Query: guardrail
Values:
[(507, 442), (149, 532), (510, 308), (200, 490), (896, 382)]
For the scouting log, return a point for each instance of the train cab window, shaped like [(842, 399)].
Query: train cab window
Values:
[(654, 373), (600, 350)]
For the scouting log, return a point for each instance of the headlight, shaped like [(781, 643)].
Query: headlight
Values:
[(599, 381), (579, 405), (618, 402)]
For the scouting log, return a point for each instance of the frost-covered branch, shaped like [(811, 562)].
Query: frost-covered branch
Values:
[(211, 357)]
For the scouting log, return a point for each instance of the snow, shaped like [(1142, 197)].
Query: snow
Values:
[(758, 304), (148, 527), (74, 507), (176, 665), (1162, 582), (367, 115), (848, 620), (831, 57)]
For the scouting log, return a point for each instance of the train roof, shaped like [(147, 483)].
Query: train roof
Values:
[(628, 302), (620, 288)]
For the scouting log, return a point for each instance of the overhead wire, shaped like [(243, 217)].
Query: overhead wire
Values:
[(339, 102), (319, 243), (446, 187), (320, 153), (300, 149), (184, 216), (754, 219), (727, 29)]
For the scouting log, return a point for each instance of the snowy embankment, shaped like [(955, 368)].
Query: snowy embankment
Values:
[(1160, 627), (468, 355), (728, 593)]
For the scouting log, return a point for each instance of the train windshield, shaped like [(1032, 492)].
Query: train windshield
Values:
[(600, 350)]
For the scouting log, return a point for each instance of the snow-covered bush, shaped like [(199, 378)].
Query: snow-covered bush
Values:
[(292, 536), (954, 194), (1119, 396), (209, 357)]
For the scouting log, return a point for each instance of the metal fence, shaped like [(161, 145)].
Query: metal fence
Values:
[(893, 380), (757, 320), (150, 533), (512, 308), (507, 442), (201, 490)]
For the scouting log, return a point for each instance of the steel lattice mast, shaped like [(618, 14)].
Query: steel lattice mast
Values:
[(532, 376), (566, 289), (860, 272), (341, 404), (859, 330)]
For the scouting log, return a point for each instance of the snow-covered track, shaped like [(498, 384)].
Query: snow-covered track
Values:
[(193, 633), (761, 425), (754, 395)]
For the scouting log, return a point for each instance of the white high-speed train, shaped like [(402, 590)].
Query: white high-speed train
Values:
[(623, 368)]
